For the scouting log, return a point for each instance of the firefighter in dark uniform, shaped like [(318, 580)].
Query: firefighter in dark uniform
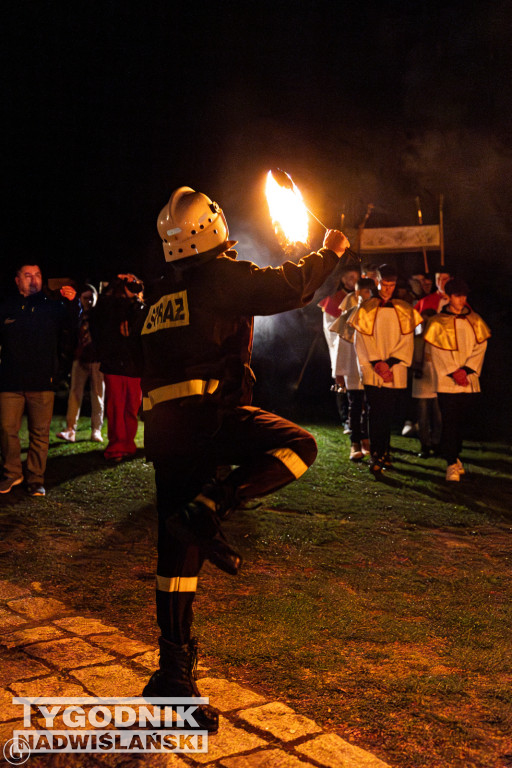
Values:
[(195, 341)]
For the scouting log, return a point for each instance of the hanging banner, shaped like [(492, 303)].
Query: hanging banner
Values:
[(396, 239)]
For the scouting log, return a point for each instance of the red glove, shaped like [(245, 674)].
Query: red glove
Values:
[(383, 370), (460, 377)]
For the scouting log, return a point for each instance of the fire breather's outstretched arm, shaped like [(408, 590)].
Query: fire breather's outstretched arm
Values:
[(267, 291), (336, 241)]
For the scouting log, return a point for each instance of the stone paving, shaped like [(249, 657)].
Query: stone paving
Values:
[(46, 650)]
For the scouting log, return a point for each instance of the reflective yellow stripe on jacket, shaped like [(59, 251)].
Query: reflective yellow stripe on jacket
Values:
[(176, 583), (291, 460), (180, 389)]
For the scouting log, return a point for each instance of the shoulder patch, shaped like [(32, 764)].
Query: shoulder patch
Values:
[(170, 311)]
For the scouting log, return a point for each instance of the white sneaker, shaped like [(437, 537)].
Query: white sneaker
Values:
[(409, 429), (460, 467), (452, 473), (67, 434), (96, 436)]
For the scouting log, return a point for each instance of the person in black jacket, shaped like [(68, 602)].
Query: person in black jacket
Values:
[(30, 327), (195, 343), (111, 322)]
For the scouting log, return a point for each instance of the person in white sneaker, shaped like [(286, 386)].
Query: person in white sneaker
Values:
[(85, 366), (331, 311), (347, 372), (384, 340), (458, 339)]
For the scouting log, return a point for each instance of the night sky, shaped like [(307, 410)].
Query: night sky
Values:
[(110, 106)]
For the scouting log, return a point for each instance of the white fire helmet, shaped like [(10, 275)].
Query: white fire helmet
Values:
[(190, 224)]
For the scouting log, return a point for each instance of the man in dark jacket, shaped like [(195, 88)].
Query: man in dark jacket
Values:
[(30, 327), (196, 343)]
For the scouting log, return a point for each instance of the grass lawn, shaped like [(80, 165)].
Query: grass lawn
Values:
[(380, 609)]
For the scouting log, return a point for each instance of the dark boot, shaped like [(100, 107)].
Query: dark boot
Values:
[(387, 461), (176, 677), (199, 525), (376, 465)]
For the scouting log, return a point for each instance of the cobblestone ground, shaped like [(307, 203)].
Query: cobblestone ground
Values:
[(48, 651)]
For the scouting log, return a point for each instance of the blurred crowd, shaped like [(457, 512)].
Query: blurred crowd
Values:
[(397, 346), (413, 346), (64, 331)]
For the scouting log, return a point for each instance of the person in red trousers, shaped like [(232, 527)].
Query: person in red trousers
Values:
[(111, 321)]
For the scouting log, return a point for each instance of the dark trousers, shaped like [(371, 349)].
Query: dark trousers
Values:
[(187, 441), (429, 421), (382, 402), (342, 405), (357, 415), (455, 409)]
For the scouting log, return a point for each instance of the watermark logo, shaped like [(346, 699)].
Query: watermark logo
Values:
[(90, 724), (16, 750)]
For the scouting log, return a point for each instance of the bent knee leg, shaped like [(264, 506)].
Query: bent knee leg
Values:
[(307, 448), (297, 454)]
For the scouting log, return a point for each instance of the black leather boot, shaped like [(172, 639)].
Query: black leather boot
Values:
[(199, 525), (176, 677)]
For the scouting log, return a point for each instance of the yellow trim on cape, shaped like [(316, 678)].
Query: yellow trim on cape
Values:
[(441, 331), (349, 330), (342, 325), (365, 317)]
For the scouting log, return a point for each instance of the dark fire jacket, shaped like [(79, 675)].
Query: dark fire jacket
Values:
[(196, 336)]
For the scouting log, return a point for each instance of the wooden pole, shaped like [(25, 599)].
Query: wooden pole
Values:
[(420, 221), (309, 355), (369, 209), (441, 228)]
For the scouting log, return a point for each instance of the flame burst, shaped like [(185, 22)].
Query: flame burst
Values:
[(287, 211)]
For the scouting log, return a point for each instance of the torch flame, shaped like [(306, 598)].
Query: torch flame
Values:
[(287, 210)]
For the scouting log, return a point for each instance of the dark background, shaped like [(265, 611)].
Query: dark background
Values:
[(108, 107)]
